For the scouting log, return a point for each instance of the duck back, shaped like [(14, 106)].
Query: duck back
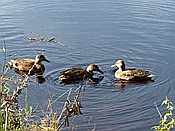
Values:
[(74, 74), (133, 74), (26, 67)]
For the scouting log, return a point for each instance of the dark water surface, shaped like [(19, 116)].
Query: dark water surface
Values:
[(141, 32)]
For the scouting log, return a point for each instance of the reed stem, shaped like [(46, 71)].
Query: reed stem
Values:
[(27, 104)]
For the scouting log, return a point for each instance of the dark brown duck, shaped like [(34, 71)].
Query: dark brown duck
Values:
[(73, 75)]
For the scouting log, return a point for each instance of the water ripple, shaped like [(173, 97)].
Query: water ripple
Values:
[(140, 32)]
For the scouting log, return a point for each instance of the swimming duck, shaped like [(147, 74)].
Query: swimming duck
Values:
[(73, 75), (29, 66), (130, 74)]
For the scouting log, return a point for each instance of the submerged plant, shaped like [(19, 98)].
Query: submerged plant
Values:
[(167, 121)]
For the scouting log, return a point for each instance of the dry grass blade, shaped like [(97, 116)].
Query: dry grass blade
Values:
[(160, 115), (22, 116), (64, 107), (3, 70)]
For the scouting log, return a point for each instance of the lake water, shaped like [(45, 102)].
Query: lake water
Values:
[(141, 32)]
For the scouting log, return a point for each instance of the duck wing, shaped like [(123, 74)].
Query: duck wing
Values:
[(22, 64), (138, 72), (73, 74), (133, 74)]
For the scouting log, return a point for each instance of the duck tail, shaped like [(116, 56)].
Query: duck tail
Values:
[(11, 64)]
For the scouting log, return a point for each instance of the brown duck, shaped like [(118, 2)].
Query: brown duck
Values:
[(74, 75), (29, 66), (130, 74)]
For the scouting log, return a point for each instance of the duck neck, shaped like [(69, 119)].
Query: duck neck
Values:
[(88, 69), (122, 68), (90, 72), (38, 62)]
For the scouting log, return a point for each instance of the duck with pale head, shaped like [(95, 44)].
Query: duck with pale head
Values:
[(130, 74)]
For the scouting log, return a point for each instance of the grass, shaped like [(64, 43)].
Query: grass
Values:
[(14, 118), (167, 121)]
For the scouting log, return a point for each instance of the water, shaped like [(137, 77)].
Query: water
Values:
[(140, 32)]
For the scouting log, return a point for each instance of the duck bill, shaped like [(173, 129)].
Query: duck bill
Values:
[(47, 60), (113, 66), (100, 71)]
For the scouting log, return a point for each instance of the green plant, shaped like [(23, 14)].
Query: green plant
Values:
[(14, 117), (167, 120), (11, 116)]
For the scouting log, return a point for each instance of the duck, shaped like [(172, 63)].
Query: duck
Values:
[(74, 75), (25, 66), (130, 74)]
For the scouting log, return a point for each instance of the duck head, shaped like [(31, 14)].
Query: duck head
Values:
[(120, 64), (39, 58), (93, 67)]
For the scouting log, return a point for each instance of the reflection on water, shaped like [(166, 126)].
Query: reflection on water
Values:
[(121, 85), (140, 32)]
